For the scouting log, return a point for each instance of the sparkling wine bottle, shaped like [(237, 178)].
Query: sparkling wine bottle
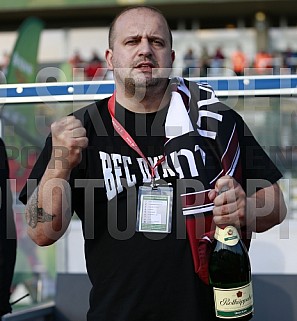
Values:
[(230, 275)]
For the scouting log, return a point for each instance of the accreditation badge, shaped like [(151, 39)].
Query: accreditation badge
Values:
[(154, 209)]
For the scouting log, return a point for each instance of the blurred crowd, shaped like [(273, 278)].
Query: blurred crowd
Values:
[(262, 63), (204, 64), (92, 69), (194, 64)]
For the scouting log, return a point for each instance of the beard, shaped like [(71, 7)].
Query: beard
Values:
[(141, 81), (138, 83), (135, 82)]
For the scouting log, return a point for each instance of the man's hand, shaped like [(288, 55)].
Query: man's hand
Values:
[(69, 139), (230, 205)]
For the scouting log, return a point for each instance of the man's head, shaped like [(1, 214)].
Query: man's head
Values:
[(111, 34), (140, 53)]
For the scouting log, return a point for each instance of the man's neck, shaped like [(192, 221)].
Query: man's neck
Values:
[(151, 101)]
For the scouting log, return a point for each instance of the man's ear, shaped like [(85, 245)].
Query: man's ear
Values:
[(108, 58), (172, 55)]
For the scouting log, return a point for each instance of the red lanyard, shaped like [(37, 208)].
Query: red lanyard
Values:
[(127, 138)]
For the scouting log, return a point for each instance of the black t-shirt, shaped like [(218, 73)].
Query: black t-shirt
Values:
[(7, 234), (137, 276)]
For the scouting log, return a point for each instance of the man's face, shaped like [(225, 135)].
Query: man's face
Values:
[(141, 54)]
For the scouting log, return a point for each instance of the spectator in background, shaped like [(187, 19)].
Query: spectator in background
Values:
[(94, 69), (7, 234), (76, 61), (190, 64), (239, 61), (217, 62), (77, 66), (263, 63), (290, 60), (204, 62)]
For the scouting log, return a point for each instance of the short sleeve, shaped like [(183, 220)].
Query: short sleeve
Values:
[(258, 168)]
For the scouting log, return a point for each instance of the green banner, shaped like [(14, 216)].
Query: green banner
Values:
[(20, 126), (23, 61), (22, 68)]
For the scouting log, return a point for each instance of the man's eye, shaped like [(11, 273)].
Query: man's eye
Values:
[(157, 42), (131, 42)]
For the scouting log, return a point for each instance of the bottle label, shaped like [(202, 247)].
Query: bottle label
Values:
[(233, 303), (229, 235)]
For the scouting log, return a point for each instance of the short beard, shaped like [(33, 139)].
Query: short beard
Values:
[(139, 87)]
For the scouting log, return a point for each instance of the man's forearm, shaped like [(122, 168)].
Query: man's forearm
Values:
[(48, 211), (265, 209)]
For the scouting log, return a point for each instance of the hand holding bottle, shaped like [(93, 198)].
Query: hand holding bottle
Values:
[(229, 265), (229, 206)]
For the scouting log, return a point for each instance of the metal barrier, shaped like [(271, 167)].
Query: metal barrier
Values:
[(94, 90)]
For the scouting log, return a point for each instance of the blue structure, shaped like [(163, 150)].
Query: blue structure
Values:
[(94, 90)]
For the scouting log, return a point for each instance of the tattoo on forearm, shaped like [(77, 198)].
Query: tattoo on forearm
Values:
[(37, 214), (42, 216)]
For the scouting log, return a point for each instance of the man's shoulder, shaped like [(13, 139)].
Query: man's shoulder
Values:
[(205, 98), (91, 108), (198, 84), (94, 117)]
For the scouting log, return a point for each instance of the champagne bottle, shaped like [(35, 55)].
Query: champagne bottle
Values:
[(230, 275)]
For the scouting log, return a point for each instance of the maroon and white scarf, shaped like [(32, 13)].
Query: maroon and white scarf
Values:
[(202, 146)]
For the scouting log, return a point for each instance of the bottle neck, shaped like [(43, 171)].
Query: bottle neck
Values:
[(227, 235)]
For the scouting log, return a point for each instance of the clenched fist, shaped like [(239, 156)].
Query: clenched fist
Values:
[(68, 139)]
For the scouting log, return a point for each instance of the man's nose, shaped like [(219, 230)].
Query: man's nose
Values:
[(145, 47)]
